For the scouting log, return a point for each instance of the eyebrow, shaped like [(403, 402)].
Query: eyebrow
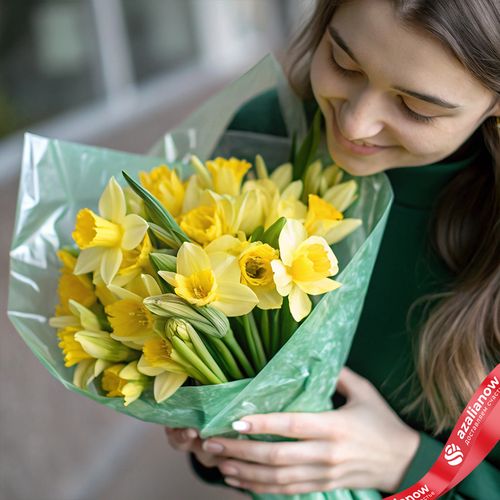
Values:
[(419, 95)]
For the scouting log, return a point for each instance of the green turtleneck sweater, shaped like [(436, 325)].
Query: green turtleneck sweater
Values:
[(405, 269)]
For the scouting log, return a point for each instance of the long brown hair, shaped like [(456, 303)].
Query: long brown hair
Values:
[(459, 341)]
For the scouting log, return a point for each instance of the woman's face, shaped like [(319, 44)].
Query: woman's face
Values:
[(391, 96)]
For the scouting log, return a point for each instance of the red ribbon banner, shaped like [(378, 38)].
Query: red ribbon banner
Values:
[(473, 437)]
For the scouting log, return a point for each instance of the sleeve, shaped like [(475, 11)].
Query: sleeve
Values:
[(483, 483), (210, 475)]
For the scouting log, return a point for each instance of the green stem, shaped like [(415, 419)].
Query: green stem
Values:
[(194, 360), (288, 324), (266, 335), (205, 356), (275, 328), (254, 332), (230, 341), (226, 357), (189, 369)]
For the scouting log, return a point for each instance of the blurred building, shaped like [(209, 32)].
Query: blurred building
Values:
[(115, 73), (86, 70)]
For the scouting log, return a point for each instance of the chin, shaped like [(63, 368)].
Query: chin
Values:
[(357, 167)]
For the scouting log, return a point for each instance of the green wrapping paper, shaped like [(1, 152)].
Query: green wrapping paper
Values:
[(59, 178)]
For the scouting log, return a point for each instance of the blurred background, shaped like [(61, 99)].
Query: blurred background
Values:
[(119, 74)]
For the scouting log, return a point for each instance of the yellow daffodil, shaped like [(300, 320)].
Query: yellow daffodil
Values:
[(210, 220), (71, 348), (304, 268), (214, 279), (165, 185), (282, 176), (79, 318), (325, 216), (137, 260), (227, 174), (103, 238), (87, 370), (128, 316), (257, 274), (232, 245), (157, 362), (331, 176), (78, 288), (324, 220), (254, 204), (126, 381), (287, 204)]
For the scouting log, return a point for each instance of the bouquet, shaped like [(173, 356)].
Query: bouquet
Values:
[(187, 298)]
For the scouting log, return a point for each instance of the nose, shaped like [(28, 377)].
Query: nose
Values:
[(360, 116)]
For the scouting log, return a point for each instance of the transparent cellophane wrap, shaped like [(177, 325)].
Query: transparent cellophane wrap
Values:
[(59, 178)]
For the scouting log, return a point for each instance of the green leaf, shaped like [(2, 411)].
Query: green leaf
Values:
[(257, 234), (157, 214), (308, 148), (163, 261), (272, 234), (159, 262), (293, 148)]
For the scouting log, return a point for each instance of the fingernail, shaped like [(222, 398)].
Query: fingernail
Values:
[(191, 433), (212, 447), (232, 482), (241, 426)]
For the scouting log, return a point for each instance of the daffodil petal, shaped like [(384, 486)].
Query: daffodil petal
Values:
[(145, 368), (293, 191), (87, 318), (169, 277), (123, 293), (63, 322), (110, 263), (134, 229), (318, 287), (100, 366), (235, 299), (346, 227), (225, 267), (166, 384), (300, 303), (88, 260), (84, 373), (342, 195), (269, 298), (281, 278), (112, 204), (291, 236), (191, 259), (150, 285)]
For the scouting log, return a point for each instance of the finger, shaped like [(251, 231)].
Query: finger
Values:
[(282, 453), (182, 439), (205, 458), (275, 475), (300, 425), (289, 489), (352, 385)]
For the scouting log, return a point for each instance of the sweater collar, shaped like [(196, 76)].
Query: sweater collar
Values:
[(419, 187)]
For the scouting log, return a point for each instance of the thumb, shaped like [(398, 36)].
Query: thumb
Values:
[(351, 385)]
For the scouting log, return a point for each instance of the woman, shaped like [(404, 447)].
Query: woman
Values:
[(410, 88)]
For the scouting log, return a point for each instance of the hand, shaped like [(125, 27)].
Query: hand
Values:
[(187, 440), (363, 444)]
